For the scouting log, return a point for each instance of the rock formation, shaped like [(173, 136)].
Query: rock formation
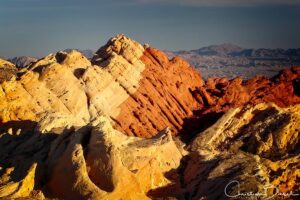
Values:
[(89, 162), (68, 127), (106, 164), (7, 71), (141, 90), (253, 149)]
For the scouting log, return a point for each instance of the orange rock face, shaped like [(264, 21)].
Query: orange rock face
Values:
[(221, 93), (164, 98), (172, 94)]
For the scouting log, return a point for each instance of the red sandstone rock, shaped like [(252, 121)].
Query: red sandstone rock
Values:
[(170, 92), (282, 90), (164, 98)]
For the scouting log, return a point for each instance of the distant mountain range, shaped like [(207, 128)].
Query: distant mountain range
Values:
[(225, 60), (231, 60), (228, 49), (22, 61)]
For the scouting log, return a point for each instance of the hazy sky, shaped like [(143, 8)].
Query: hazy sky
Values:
[(38, 27)]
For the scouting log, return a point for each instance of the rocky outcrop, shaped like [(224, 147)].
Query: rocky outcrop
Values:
[(104, 163), (281, 89), (164, 97), (221, 94), (140, 89), (47, 88), (250, 149), (89, 162), (7, 71), (248, 152)]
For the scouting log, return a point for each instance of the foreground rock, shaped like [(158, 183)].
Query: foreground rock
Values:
[(254, 150), (251, 149), (91, 162)]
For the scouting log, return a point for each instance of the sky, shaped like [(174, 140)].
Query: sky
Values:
[(39, 27)]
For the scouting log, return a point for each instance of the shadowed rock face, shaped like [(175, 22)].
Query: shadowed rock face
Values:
[(67, 127)]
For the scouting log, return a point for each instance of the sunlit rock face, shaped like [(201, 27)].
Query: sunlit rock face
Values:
[(101, 162), (110, 128), (89, 162)]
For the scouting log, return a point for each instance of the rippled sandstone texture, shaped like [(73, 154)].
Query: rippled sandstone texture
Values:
[(67, 127)]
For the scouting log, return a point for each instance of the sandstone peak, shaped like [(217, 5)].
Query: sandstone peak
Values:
[(129, 82), (120, 45)]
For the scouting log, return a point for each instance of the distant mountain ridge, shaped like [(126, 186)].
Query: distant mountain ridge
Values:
[(229, 49), (22, 61), (223, 49), (230, 60)]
